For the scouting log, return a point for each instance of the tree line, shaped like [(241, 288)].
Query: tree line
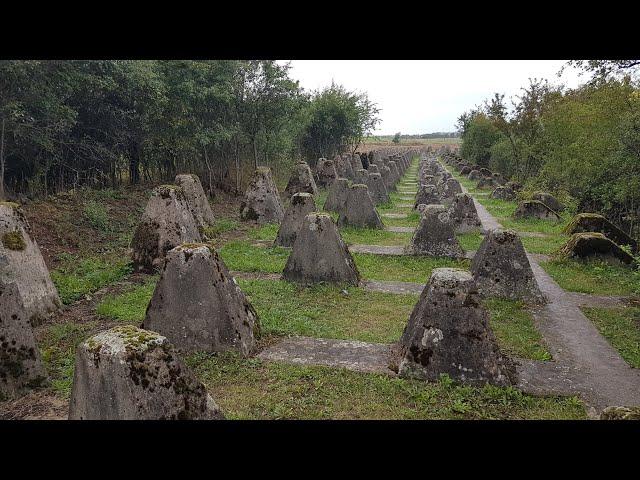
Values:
[(71, 123), (582, 144)]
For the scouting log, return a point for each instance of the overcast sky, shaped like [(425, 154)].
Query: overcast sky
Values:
[(423, 96)]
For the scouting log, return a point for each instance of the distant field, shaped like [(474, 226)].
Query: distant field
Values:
[(371, 143)]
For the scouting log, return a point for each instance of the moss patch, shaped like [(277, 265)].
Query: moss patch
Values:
[(14, 241)]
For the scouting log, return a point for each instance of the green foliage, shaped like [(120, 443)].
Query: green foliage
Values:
[(396, 138), (582, 145), (336, 120), (78, 277), (97, 215)]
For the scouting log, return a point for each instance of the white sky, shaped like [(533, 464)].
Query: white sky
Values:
[(424, 96)]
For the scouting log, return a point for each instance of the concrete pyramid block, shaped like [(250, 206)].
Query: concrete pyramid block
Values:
[(320, 255), (377, 189), (359, 210), (337, 196), (22, 263), (262, 200), (593, 222), (501, 268), (549, 200), (464, 215), (198, 306), (435, 235), (503, 193), (427, 195), (535, 209), (326, 173), (595, 245), (301, 205), (301, 181), (166, 223), (448, 332), (196, 199), (127, 373), (21, 365)]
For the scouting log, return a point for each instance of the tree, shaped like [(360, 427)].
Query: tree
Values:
[(396, 138)]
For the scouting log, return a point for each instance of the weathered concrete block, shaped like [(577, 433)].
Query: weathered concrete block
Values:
[(464, 215), (359, 210), (21, 365), (377, 189), (166, 223), (435, 235), (501, 268), (337, 196), (535, 209), (301, 181), (595, 244), (301, 205), (131, 374), (22, 263), (325, 173), (593, 222), (549, 200), (503, 193), (262, 200), (474, 175), (448, 332), (427, 195), (197, 304), (196, 200), (320, 255)]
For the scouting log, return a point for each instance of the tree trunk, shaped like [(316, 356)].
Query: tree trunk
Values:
[(206, 159), (134, 164)]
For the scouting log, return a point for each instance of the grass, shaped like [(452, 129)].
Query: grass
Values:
[(77, 276), (515, 331), (97, 215), (241, 255), (253, 389), (287, 309), (366, 236), (128, 307), (58, 348), (593, 276), (220, 226), (546, 246), (265, 232), (412, 219), (621, 326), (326, 311), (470, 241), (402, 268)]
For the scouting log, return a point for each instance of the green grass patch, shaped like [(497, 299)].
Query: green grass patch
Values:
[(367, 236), (253, 389), (220, 226), (402, 268), (621, 326), (78, 277), (58, 348), (593, 276), (265, 232), (241, 255), (514, 328), (96, 214), (130, 306), (325, 311), (412, 219), (470, 241), (546, 246)]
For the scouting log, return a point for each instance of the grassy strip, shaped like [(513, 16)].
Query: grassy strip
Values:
[(78, 277), (253, 389), (514, 328), (621, 326), (593, 276)]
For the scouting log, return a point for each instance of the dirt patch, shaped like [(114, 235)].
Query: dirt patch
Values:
[(40, 405)]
